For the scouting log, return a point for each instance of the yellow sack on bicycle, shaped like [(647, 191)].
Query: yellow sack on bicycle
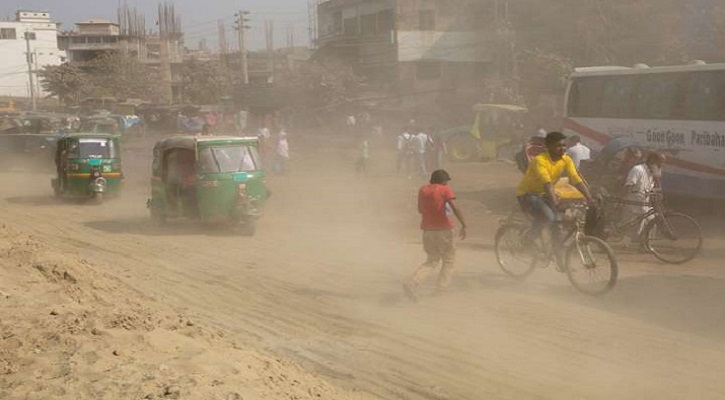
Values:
[(566, 191)]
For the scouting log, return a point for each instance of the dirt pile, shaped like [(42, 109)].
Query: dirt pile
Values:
[(70, 331)]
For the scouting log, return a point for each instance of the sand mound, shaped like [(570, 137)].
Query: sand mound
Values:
[(70, 331)]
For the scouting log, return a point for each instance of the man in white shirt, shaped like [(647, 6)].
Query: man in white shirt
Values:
[(641, 180), (406, 150), (282, 153), (420, 146), (577, 151)]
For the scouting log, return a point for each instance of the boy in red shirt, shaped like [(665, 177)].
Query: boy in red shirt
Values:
[(435, 204)]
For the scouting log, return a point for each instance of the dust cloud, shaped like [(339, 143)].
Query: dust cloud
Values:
[(104, 304)]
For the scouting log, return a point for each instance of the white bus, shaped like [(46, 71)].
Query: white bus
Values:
[(679, 110)]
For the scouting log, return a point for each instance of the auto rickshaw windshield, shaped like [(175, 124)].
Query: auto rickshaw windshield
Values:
[(94, 148), (222, 159)]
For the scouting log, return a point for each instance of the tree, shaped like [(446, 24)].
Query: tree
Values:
[(109, 75), (122, 75), (65, 81), (321, 84), (203, 81)]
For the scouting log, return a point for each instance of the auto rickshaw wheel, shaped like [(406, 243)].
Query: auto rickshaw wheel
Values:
[(97, 198), (248, 228)]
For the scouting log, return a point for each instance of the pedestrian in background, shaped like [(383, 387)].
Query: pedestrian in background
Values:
[(406, 152), (421, 141), (577, 150), (282, 153), (361, 166), (435, 149)]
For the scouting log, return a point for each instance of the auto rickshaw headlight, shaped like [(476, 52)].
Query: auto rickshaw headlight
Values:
[(242, 190)]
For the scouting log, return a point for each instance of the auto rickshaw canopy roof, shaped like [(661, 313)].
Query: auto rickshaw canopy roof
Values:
[(89, 135), (190, 142)]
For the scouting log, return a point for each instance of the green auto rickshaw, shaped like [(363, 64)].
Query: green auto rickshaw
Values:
[(217, 180), (88, 165)]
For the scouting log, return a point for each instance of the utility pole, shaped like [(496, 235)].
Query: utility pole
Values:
[(169, 29), (223, 48), (269, 36), (29, 59), (240, 26), (36, 68)]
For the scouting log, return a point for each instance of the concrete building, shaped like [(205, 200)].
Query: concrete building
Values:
[(410, 46), (42, 34), (97, 36), (421, 40)]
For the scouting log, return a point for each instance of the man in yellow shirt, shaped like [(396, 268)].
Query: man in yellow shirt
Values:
[(535, 192)]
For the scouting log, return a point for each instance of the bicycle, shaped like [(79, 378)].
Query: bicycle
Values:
[(672, 237), (597, 270)]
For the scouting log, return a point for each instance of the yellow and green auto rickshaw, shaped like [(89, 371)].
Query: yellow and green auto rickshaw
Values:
[(88, 165), (212, 179)]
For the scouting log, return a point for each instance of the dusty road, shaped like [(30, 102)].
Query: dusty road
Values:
[(320, 285)]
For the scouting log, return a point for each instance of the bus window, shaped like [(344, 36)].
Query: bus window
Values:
[(585, 97), (705, 99), (658, 96), (617, 97)]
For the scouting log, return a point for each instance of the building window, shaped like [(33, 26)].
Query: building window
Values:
[(368, 25), (8, 34), (426, 20), (428, 70), (350, 27), (337, 22), (386, 21), (30, 35)]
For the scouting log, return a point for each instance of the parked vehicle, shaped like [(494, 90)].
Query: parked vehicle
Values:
[(88, 166), (494, 125), (114, 124), (676, 110), (29, 139), (216, 180)]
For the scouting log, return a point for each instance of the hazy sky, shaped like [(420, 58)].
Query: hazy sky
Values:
[(199, 17)]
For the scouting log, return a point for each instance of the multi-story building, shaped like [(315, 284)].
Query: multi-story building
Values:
[(97, 36), (410, 46), (34, 29)]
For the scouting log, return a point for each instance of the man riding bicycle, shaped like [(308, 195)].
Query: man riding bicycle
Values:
[(536, 192)]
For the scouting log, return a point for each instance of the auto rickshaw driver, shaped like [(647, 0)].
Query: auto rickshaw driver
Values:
[(62, 154)]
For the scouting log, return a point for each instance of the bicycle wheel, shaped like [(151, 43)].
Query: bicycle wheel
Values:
[(591, 266), (675, 238), (515, 256)]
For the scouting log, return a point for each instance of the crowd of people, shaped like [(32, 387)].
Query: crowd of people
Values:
[(419, 151), (274, 149), (553, 156)]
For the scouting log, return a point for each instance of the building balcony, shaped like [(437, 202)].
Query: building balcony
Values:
[(93, 46)]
